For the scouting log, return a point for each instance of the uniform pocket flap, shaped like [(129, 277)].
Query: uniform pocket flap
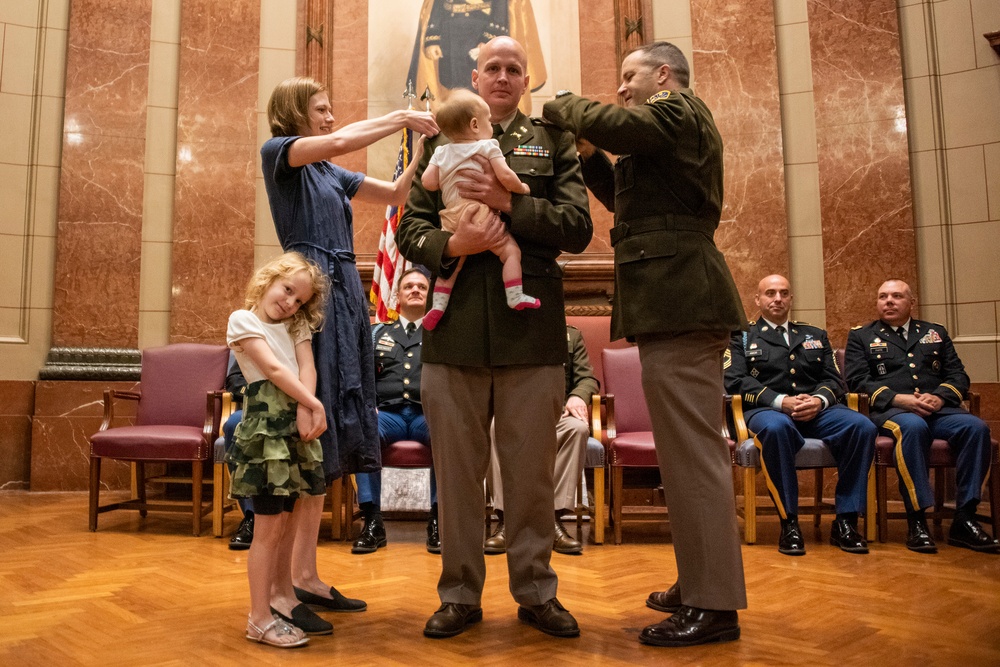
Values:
[(528, 165), (650, 245)]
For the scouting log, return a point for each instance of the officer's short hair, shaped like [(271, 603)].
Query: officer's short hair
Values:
[(665, 53)]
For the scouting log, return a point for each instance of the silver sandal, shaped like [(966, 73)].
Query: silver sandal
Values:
[(281, 629)]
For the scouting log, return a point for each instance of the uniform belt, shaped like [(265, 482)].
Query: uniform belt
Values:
[(662, 223), (456, 8)]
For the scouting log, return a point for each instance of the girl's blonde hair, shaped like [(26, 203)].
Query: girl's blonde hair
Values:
[(311, 313), (288, 108)]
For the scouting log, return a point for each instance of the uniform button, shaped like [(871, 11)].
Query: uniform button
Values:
[(406, 394), (409, 354), (794, 385), (381, 354), (792, 371), (642, 253), (406, 380), (792, 357), (913, 365), (406, 366), (915, 377), (532, 171), (878, 356), (910, 354)]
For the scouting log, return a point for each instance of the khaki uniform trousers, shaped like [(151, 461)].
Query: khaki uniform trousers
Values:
[(682, 381), (459, 404), (571, 453)]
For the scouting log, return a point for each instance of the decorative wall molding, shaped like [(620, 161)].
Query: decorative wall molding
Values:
[(91, 363)]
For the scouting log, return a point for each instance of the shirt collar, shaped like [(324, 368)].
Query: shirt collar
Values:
[(775, 326), (403, 321)]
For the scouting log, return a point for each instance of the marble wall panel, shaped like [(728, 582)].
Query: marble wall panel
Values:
[(17, 404), (66, 415), (736, 73), (861, 136), (599, 81), (214, 196), (349, 96), (100, 209)]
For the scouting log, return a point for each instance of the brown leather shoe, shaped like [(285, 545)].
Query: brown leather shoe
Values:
[(497, 543), (451, 619), (551, 618), (691, 626), (668, 601), (564, 544)]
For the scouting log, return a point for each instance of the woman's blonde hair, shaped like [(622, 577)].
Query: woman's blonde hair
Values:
[(288, 108), (311, 313)]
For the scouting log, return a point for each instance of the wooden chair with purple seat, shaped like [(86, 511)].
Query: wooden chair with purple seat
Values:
[(177, 419)]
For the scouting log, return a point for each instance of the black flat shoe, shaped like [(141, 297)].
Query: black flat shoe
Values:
[(244, 535), (306, 620), (336, 602), (691, 626), (433, 537), (918, 538)]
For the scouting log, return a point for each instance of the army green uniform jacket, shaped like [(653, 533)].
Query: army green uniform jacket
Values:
[(666, 194), (478, 328)]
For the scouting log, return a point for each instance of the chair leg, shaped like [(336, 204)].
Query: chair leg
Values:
[(939, 485), (218, 510), (196, 491), (579, 501), (817, 495), (881, 482), (750, 505), (995, 496), (598, 515), (336, 507), (95, 489), (139, 488), (350, 495), (616, 501), (871, 526)]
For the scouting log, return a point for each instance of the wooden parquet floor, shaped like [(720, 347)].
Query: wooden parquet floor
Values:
[(144, 592)]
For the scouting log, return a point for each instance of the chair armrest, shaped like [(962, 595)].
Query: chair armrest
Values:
[(228, 408), (109, 404), (857, 402), (735, 404), (612, 430), (595, 416), (973, 399), (212, 424)]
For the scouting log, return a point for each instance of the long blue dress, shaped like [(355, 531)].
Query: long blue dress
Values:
[(312, 214)]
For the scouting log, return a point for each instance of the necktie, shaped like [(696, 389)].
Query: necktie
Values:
[(902, 332), (497, 130), (411, 328), (781, 330)]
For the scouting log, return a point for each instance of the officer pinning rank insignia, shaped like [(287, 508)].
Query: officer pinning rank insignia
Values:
[(532, 151)]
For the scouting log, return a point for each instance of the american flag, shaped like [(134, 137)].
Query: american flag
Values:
[(390, 264)]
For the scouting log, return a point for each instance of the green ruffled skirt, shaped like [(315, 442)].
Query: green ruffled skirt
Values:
[(269, 456)]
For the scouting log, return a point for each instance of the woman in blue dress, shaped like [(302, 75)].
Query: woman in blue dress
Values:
[(310, 200)]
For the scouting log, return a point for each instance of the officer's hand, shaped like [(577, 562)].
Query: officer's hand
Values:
[(470, 238), (788, 404), (433, 52), (484, 186), (933, 403), (576, 407), (806, 407), (585, 148), (911, 403)]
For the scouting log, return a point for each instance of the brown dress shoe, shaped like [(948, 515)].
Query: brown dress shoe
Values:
[(564, 544), (691, 626), (668, 600), (497, 543), (551, 618), (451, 619)]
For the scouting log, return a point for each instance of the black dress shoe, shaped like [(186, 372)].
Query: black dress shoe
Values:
[(497, 543), (371, 538), (969, 534), (668, 600), (551, 618), (691, 626), (336, 601), (306, 620), (845, 535), (791, 543), (918, 538), (451, 619), (433, 537), (564, 544), (244, 535)]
